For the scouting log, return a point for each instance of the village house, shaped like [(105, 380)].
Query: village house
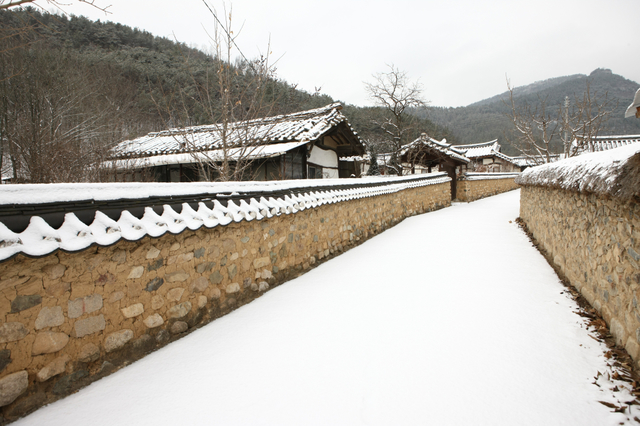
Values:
[(486, 157), (427, 155), (304, 145), (603, 143)]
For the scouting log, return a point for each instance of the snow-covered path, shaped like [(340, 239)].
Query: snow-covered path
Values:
[(449, 318)]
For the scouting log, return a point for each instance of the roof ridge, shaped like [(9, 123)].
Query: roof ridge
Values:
[(271, 119)]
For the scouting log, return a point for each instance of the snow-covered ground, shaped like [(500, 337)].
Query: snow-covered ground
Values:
[(449, 318)]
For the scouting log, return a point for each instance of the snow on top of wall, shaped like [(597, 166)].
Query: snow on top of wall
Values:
[(40, 239), (485, 176), (615, 172)]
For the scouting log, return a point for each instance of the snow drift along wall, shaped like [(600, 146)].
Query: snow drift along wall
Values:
[(473, 186), (101, 295), (585, 212)]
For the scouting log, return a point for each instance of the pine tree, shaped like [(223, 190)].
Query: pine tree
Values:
[(374, 168)]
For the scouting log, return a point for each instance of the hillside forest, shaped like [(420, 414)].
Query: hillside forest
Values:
[(488, 119), (71, 88)]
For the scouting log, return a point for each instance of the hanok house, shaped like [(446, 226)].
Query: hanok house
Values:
[(486, 157), (426, 155), (602, 143), (304, 145)]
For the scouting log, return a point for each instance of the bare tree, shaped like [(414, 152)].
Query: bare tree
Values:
[(535, 128), (540, 129), (232, 95), (583, 120), (8, 4), (55, 121), (395, 93)]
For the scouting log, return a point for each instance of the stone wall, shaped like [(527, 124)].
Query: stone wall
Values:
[(71, 318), (594, 240), (475, 186)]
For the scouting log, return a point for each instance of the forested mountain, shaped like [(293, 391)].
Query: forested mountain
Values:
[(487, 119), (70, 88)]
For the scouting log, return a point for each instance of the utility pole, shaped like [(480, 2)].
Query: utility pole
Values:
[(567, 144)]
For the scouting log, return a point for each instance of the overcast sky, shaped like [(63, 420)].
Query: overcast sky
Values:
[(460, 50)]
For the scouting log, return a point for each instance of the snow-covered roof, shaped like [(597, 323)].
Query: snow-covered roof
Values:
[(604, 143), (615, 172), (485, 149), (425, 141), (632, 109), (476, 150), (253, 200), (534, 160), (359, 158), (299, 127), (233, 154)]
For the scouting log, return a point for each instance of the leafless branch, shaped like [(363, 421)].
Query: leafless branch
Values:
[(394, 92), (4, 4)]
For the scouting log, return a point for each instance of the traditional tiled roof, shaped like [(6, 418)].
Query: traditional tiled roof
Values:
[(485, 149), (476, 150), (533, 160), (604, 143), (441, 146), (298, 127)]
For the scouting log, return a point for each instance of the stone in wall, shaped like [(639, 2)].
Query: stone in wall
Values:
[(116, 296), (179, 327), (178, 276), (54, 271), (12, 386), (153, 321), (5, 358), (89, 353), (49, 342), (153, 253), (157, 302), (22, 303), (180, 310), (199, 285), (89, 325), (55, 367), (133, 310), (117, 340), (12, 331), (175, 294), (232, 288), (154, 284), (49, 317), (136, 272), (84, 305)]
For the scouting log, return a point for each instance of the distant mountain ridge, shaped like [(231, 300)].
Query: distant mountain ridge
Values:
[(487, 119), (530, 88)]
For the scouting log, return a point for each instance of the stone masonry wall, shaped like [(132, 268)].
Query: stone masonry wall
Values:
[(71, 318), (595, 241), (471, 190)]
